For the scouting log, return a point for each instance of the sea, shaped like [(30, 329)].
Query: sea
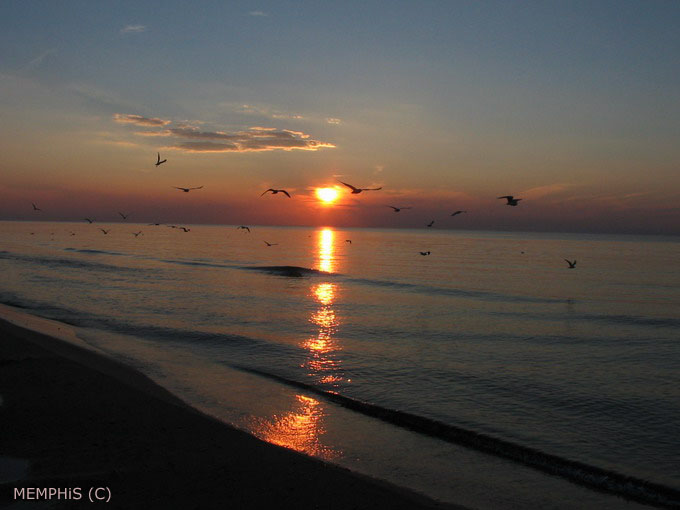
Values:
[(474, 367)]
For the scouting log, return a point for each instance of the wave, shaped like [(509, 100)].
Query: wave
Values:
[(633, 320), (96, 252), (290, 271), (54, 262), (446, 291), (575, 471)]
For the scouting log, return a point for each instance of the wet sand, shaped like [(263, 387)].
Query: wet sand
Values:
[(82, 420)]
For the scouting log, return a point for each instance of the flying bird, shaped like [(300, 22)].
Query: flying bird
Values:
[(88, 220), (457, 212), (187, 190), (124, 216), (397, 209), (348, 241), (35, 207), (572, 265), (359, 190), (184, 228), (511, 200), (158, 161), (431, 223), (243, 227), (275, 191), (424, 252), (270, 244), (136, 234), (105, 231)]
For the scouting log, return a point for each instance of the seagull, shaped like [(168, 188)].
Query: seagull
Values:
[(397, 209), (35, 207), (243, 227), (431, 223), (105, 231), (424, 252), (511, 200), (158, 161), (124, 216), (187, 190), (88, 220), (348, 241), (184, 228), (270, 244), (275, 191), (136, 234), (458, 212), (572, 265), (359, 190)]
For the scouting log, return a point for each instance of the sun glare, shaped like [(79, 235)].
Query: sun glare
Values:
[(327, 195)]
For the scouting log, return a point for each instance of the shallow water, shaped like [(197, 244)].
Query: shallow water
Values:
[(491, 333)]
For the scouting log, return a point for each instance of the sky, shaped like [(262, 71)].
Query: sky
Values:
[(574, 106)]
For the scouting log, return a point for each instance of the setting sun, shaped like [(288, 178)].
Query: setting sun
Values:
[(327, 195)]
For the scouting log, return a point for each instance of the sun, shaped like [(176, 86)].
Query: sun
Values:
[(327, 195)]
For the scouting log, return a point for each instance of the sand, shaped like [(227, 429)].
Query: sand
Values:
[(83, 421)]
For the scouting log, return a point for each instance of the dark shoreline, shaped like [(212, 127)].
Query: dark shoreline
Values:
[(83, 420)]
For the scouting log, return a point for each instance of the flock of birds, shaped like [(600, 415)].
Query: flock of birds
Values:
[(510, 200)]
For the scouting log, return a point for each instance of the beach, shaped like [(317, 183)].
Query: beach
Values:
[(84, 421)]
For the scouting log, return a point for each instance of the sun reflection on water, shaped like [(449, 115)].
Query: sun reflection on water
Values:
[(325, 250), (299, 429)]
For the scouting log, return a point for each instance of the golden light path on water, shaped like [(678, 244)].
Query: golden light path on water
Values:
[(302, 427)]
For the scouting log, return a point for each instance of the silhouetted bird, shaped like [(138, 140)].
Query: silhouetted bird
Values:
[(359, 190), (184, 228), (397, 209), (88, 220), (136, 234), (105, 231), (275, 191), (457, 212), (35, 207), (511, 200), (124, 216), (431, 223), (424, 252), (187, 190), (243, 227), (158, 161), (572, 265), (348, 241), (270, 244)]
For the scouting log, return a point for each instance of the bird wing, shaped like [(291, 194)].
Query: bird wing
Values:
[(285, 192), (372, 189), (509, 197), (395, 208), (348, 185), (197, 187), (179, 188), (159, 158)]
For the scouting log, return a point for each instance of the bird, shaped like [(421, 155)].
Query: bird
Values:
[(572, 265), (136, 234), (270, 244), (88, 220), (105, 231), (397, 209), (158, 161), (424, 252), (348, 241), (35, 207), (124, 216), (243, 227), (458, 212), (184, 228), (275, 191), (154, 224), (511, 200), (358, 190), (431, 223), (187, 190)]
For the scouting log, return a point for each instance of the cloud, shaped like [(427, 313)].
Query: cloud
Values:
[(125, 118), (191, 139), (135, 29), (333, 120), (258, 13), (38, 60), (543, 191)]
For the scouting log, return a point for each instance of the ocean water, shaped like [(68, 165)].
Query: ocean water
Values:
[(467, 374)]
